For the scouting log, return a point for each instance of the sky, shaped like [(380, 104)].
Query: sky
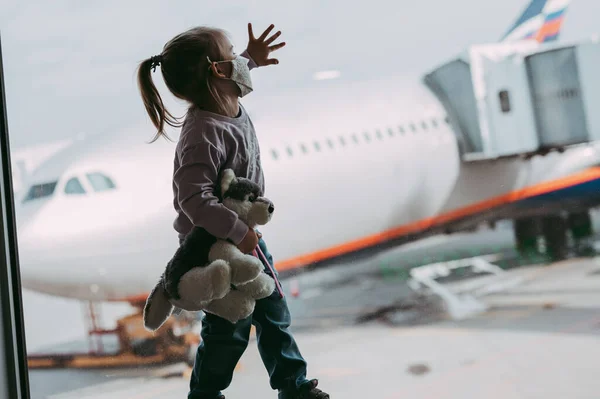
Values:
[(70, 65)]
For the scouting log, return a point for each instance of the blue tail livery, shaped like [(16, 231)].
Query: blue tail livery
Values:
[(541, 21)]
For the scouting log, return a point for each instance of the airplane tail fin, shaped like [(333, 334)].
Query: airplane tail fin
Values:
[(541, 21), (157, 309)]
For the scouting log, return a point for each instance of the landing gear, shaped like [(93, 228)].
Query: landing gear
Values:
[(527, 231), (555, 233), (582, 232), (555, 237)]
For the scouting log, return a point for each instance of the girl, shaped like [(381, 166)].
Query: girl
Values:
[(199, 66)]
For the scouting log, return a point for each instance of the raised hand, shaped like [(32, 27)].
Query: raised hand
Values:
[(259, 49)]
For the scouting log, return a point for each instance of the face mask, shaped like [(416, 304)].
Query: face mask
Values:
[(240, 74)]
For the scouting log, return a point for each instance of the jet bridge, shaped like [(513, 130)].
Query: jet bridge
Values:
[(520, 99)]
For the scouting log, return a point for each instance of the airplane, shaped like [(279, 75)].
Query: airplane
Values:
[(349, 168), (25, 160)]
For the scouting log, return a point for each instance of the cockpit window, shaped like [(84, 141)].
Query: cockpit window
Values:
[(74, 186), (40, 191), (100, 182)]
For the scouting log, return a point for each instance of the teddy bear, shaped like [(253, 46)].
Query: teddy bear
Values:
[(210, 274)]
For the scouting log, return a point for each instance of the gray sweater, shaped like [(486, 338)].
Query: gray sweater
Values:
[(209, 143)]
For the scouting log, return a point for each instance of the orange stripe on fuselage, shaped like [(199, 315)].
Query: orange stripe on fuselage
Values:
[(365, 242), (420, 225)]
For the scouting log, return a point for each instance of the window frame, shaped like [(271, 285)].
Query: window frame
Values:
[(14, 372)]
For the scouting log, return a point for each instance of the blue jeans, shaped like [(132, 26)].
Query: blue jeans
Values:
[(223, 344)]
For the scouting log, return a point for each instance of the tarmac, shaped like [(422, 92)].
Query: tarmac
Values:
[(538, 338)]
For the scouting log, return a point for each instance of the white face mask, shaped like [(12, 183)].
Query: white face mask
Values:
[(240, 74)]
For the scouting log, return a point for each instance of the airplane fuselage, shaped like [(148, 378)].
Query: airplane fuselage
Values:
[(335, 177)]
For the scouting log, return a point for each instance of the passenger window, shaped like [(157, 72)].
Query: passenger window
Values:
[(330, 143), (317, 146), (424, 125), (100, 182), (74, 186), (434, 123), (342, 141), (401, 129), (367, 137), (274, 154), (413, 127), (289, 151), (355, 138), (391, 132), (303, 148), (378, 134)]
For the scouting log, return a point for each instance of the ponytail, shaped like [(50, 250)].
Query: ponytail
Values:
[(184, 68), (153, 103)]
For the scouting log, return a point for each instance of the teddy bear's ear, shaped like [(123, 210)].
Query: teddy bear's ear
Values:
[(227, 178)]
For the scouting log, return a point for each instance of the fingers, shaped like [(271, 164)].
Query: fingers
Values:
[(272, 38), (276, 47), (272, 61), (266, 32), (250, 33)]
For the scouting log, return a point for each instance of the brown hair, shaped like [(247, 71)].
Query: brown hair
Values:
[(185, 69)]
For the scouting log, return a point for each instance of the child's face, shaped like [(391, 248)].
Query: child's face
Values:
[(226, 68), (223, 70)]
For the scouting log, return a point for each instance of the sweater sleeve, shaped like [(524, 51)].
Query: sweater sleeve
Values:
[(251, 63), (196, 179)]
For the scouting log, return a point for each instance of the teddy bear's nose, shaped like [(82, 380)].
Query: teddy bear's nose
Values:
[(271, 208)]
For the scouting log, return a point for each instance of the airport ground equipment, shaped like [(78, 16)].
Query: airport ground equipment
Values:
[(175, 342), (462, 300)]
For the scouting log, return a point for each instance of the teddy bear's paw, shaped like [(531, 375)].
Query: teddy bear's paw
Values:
[(202, 284), (234, 307), (259, 288), (244, 269), (190, 306)]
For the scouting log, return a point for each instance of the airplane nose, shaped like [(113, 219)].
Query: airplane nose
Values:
[(271, 208)]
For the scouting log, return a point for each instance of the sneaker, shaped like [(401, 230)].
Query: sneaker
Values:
[(306, 391)]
